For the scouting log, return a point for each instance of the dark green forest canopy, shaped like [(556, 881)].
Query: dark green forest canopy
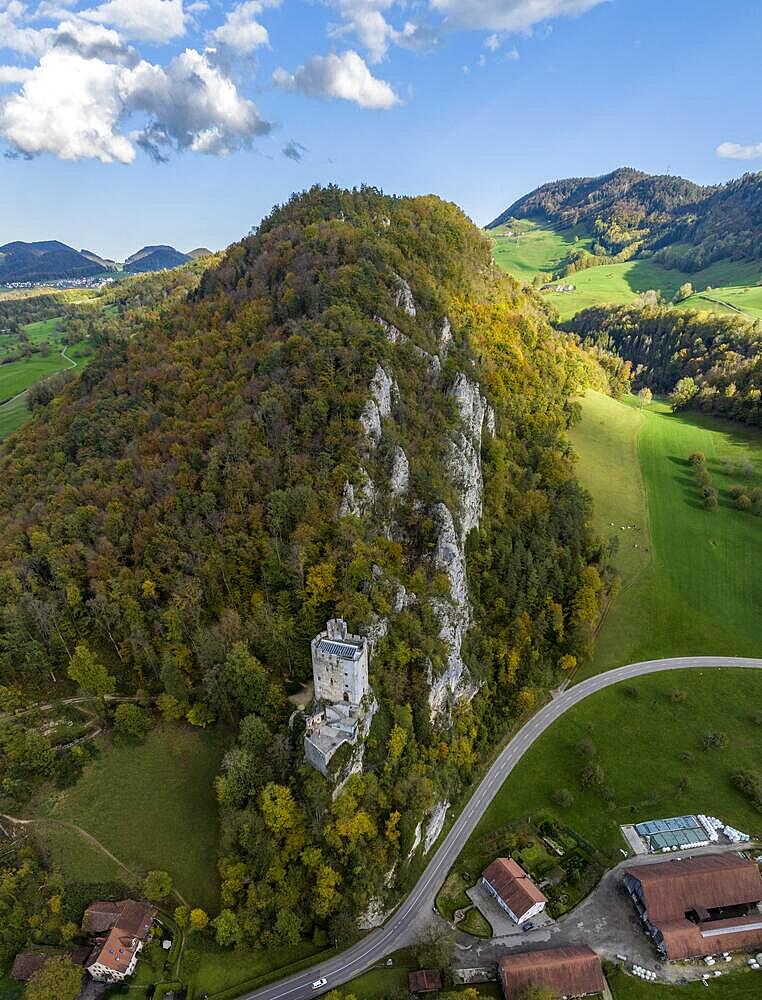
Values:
[(721, 354), (174, 515), (633, 213)]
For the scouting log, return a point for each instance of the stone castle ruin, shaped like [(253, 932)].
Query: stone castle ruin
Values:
[(342, 709)]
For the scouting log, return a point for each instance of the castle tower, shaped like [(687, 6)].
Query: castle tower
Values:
[(340, 665), (344, 705)]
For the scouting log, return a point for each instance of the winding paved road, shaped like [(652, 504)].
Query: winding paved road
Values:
[(405, 924)]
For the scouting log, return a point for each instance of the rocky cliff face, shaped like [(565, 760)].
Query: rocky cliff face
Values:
[(462, 447)]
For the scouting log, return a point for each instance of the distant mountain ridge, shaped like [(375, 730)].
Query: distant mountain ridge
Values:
[(631, 213), (45, 261), (51, 260), (155, 258)]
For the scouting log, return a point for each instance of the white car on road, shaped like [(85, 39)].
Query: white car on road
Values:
[(319, 983)]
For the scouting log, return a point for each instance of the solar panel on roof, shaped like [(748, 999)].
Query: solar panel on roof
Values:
[(342, 649)]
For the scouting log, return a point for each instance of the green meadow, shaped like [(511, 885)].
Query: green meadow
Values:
[(18, 376), (534, 249), (689, 584), (658, 720), (537, 249), (690, 581), (13, 414), (152, 805), (738, 986)]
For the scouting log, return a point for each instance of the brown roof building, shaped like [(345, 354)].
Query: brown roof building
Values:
[(513, 889), (124, 927), (26, 963), (574, 971), (425, 981), (699, 906)]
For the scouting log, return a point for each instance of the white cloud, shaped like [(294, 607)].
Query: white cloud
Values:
[(345, 76), (75, 108), (492, 42), (365, 19), (507, 15), (194, 105), (70, 107), (141, 20), (241, 31), (15, 36), (14, 74), (368, 21), (735, 151)]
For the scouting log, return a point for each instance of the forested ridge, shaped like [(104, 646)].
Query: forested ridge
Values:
[(172, 521), (718, 357), (629, 213)]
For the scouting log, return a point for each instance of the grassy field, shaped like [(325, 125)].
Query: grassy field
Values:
[(741, 986), (692, 586), (724, 287), (376, 984), (20, 375), (223, 970), (152, 805), (535, 249), (12, 415), (648, 722)]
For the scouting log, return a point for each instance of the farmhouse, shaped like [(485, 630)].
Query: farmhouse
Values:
[(121, 930), (342, 691), (699, 906), (513, 889), (574, 971)]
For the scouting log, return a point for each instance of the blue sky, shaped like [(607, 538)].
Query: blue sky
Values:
[(128, 122)]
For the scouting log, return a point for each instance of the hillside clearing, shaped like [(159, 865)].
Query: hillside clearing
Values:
[(541, 249), (18, 376), (152, 805)]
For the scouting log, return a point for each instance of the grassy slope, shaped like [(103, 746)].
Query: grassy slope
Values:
[(535, 249), (541, 250), (19, 375), (12, 415), (152, 805), (698, 590)]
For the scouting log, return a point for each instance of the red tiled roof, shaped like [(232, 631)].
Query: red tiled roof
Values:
[(130, 925), (425, 981), (513, 885), (573, 971), (673, 888), (100, 916), (684, 939)]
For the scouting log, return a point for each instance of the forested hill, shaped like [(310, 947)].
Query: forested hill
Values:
[(631, 213), (716, 359), (354, 415)]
